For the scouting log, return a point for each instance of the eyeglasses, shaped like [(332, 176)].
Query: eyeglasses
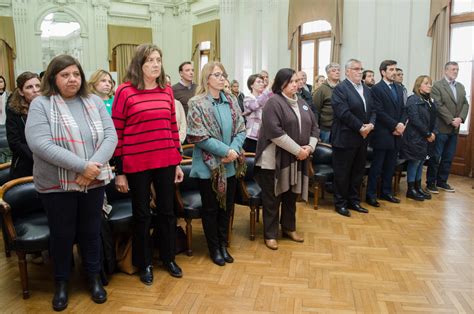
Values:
[(218, 75), (357, 69)]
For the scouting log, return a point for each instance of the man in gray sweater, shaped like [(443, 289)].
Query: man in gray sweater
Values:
[(322, 101)]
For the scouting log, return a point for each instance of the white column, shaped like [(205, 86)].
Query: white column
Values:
[(228, 40), (156, 12), (22, 31), (184, 12), (100, 34)]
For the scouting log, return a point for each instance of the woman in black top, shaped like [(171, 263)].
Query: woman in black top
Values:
[(419, 133), (28, 88)]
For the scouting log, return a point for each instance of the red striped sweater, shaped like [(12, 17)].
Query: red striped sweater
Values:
[(147, 132)]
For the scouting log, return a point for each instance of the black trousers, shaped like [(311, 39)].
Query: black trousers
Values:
[(271, 205), (349, 169), (215, 220), (163, 182), (383, 165), (74, 215)]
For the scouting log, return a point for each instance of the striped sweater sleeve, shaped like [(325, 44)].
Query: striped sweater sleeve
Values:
[(119, 117)]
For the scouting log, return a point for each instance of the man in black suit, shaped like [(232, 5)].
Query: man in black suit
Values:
[(354, 119), (385, 140), (302, 92)]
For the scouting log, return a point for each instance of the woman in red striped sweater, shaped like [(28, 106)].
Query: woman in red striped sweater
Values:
[(148, 152)]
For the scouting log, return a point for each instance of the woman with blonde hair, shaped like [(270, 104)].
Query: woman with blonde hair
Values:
[(216, 127), (102, 84), (419, 134)]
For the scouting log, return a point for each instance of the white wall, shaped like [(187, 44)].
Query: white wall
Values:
[(375, 30), (253, 32)]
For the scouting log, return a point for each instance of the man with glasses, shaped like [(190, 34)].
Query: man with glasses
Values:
[(265, 77), (354, 119), (450, 96)]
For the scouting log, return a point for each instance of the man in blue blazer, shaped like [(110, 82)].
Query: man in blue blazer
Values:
[(385, 140), (354, 119)]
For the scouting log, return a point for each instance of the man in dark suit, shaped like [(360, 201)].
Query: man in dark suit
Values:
[(354, 119), (385, 140), (450, 96), (302, 92)]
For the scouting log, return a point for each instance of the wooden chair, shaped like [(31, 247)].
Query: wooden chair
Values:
[(187, 151), (188, 202), (322, 169), (249, 194), (4, 178), (25, 221)]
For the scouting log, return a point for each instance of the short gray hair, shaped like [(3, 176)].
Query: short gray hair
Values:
[(453, 63), (350, 62), (332, 65)]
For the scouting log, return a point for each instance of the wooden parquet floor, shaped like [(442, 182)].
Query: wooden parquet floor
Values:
[(403, 258)]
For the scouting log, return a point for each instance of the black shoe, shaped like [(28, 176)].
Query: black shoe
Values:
[(343, 211), (226, 255), (60, 297), (173, 269), (413, 194), (146, 275), (445, 187), (431, 187), (420, 190), (98, 293), (217, 257), (372, 202), (359, 208), (390, 198)]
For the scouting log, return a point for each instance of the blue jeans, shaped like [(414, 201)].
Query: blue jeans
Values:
[(414, 170), (324, 136), (441, 158)]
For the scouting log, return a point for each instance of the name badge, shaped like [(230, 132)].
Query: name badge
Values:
[(305, 107)]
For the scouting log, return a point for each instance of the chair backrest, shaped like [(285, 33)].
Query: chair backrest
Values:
[(188, 150), (322, 155), (188, 184), (250, 160), (4, 173), (3, 137), (113, 194), (22, 198)]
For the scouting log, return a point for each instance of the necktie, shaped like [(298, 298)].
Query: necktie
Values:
[(394, 92)]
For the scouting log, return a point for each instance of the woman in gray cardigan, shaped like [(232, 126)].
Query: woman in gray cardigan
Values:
[(72, 137), (287, 137)]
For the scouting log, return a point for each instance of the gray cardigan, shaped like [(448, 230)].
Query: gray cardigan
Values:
[(48, 156)]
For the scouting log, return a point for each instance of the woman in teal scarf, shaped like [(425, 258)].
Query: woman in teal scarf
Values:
[(216, 127)]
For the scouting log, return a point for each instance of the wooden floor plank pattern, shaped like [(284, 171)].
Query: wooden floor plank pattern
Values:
[(413, 257)]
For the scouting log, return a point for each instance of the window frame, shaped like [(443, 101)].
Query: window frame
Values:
[(316, 37)]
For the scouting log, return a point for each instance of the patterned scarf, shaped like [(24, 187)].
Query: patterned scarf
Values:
[(202, 124), (66, 134)]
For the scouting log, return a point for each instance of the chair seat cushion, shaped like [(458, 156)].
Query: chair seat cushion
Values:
[(32, 233), (323, 172), (120, 218), (192, 204)]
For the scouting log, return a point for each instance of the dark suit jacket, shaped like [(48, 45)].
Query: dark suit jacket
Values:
[(389, 114), (349, 115), (448, 108)]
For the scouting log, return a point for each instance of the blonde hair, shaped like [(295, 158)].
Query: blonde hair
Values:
[(96, 77), (206, 71), (419, 80)]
